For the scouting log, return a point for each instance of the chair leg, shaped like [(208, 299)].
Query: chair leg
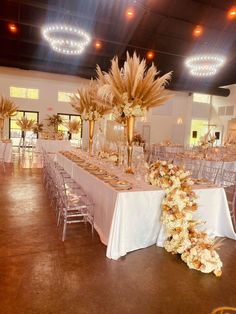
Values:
[(58, 217), (64, 230), (92, 229)]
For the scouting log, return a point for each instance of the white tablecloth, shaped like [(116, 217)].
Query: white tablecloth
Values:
[(52, 146), (130, 220), (8, 152)]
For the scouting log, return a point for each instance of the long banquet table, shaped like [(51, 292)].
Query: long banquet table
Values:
[(130, 220), (52, 146)]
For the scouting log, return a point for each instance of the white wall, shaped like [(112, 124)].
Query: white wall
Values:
[(48, 85), (162, 120), (227, 103)]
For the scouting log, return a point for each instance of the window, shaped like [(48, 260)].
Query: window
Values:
[(64, 96), (15, 131), (75, 138), (203, 98), (22, 92), (198, 129)]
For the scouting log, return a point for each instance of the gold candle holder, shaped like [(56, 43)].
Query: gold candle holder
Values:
[(91, 133), (130, 135)]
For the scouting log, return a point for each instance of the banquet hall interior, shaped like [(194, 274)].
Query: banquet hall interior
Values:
[(117, 156)]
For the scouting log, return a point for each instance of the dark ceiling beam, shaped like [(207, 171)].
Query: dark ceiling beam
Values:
[(108, 40), (52, 8), (216, 91), (168, 16), (48, 7), (81, 72)]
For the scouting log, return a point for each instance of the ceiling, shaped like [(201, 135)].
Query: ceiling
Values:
[(165, 26)]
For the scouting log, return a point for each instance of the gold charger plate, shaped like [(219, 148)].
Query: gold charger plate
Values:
[(121, 184)]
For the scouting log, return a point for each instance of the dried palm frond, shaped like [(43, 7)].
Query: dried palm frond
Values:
[(88, 103), (73, 126), (37, 128), (55, 120), (25, 124), (133, 84), (7, 108)]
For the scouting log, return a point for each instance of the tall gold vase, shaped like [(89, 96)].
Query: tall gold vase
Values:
[(91, 133), (1, 128), (130, 135)]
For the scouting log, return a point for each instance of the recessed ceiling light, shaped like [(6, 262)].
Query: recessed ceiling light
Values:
[(198, 30), (232, 13), (98, 44), (205, 64), (150, 55), (12, 28), (130, 12), (66, 39)]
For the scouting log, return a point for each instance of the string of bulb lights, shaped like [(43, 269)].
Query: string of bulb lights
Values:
[(70, 40), (66, 39), (204, 65)]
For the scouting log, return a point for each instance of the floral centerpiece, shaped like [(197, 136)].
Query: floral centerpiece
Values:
[(90, 106), (229, 140), (132, 90), (178, 206), (25, 124), (207, 140), (7, 109), (138, 140), (73, 127), (37, 128), (54, 121)]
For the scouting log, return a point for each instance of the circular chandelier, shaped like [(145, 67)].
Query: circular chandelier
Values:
[(205, 64), (66, 39)]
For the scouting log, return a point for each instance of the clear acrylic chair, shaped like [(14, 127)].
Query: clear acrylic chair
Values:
[(228, 182), (74, 208), (193, 167), (209, 173)]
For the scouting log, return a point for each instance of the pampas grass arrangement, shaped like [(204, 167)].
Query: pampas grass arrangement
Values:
[(132, 89), (88, 103)]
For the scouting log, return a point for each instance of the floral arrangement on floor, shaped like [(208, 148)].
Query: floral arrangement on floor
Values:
[(178, 206), (132, 89), (88, 103), (138, 140)]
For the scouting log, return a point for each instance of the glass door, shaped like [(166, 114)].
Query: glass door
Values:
[(15, 132)]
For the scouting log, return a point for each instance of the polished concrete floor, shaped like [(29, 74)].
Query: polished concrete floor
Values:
[(40, 274)]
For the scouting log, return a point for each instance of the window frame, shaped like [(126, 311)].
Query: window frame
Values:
[(203, 102), (71, 115), (64, 101), (24, 111), (26, 94)]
